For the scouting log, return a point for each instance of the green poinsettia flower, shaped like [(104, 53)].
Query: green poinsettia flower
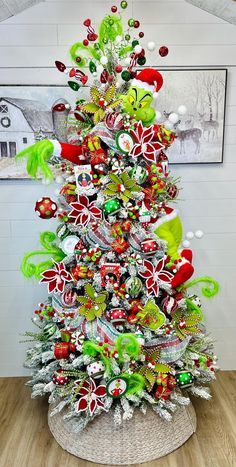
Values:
[(100, 102), (93, 304), (185, 324), (151, 368), (122, 186)]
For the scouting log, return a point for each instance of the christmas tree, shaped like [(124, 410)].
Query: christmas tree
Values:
[(119, 330)]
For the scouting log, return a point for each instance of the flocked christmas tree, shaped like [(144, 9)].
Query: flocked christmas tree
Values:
[(119, 329)]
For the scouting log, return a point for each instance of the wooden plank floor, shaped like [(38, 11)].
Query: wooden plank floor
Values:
[(25, 440)]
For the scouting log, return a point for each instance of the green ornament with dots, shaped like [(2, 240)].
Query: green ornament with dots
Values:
[(111, 206), (184, 379)]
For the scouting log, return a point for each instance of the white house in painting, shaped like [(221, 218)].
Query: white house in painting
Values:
[(22, 122)]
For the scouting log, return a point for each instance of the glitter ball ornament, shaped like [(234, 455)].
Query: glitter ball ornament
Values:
[(141, 61), (149, 246), (86, 42), (45, 208), (141, 34), (123, 4), (118, 68), (111, 206), (127, 37), (114, 8), (59, 379), (126, 75), (163, 51), (131, 22), (136, 24)]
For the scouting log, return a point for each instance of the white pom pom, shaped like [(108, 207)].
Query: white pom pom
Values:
[(138, 49), (59, 179), (186, 244), (118, 39), (103, 60), (168, 125), (155, 95), (151, 46), (173, 117), (182, 109), (189, 235), (199, 234)]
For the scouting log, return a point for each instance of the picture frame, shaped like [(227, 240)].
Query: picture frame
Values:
[(26, 116)]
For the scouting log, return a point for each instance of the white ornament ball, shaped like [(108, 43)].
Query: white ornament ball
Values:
[(186, 243), (100, 69), (173, 117), (118, 39), (138, 49), (103, 60), (127, 60), (158, 116), (168, 125), (199, 234), (189, 235), (182, 109), (151, 46)]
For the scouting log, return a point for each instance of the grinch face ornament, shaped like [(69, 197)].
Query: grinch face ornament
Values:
[(138, 100)]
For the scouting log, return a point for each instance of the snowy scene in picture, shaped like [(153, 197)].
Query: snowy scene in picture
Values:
[(200, 133), (27, 115)]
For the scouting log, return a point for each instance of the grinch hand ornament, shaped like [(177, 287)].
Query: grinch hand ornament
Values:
[(139, 98), (168, 227)]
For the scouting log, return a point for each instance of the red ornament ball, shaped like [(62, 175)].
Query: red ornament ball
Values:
[(141, 34), (78, 59), (136, 24), (85, 42), (60, 380), (118, 68), (45, 208), (163, 51), (173, 191), (114, 8), (149, 246)]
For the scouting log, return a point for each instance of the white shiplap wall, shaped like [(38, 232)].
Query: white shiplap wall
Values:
[(44, 33)]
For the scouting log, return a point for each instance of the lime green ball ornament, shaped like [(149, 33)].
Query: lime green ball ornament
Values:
[(105, 40), (127, 37), (131, 22), (123, 4), (111, 206)]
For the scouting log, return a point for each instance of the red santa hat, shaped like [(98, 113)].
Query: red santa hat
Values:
[(149, 80)]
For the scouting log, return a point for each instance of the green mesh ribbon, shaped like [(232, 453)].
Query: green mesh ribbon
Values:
[(49, 249)]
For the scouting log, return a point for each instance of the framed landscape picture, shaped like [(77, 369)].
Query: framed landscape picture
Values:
[(200, 132), (27, 115)]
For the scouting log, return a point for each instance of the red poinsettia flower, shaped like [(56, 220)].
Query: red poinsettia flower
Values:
[(91, 396), (155, 275), (56, 278), (82, 211), (144, 144)]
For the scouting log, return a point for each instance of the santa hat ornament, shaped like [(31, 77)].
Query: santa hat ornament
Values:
[(149, 80)]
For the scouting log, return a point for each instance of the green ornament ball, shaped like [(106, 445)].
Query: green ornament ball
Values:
[(123, 4), (134, 43), (125, 75), (141, 61), (111, 206), (131, 22), (111, 22), (105, 40), (127, 37)]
